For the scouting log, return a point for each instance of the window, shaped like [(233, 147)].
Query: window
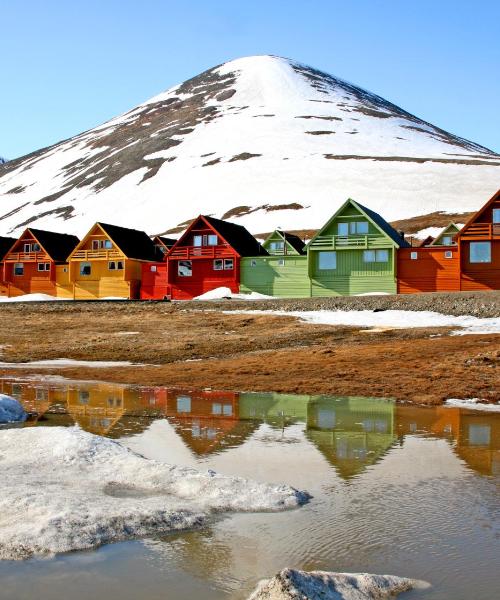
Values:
[(218, 264), (496, 215), (343, 229), (83, 396), (197, 240), (277, 246), (212, 240), (115, 265), (479, 435), (281, 262), (380, 256), (327, 260), (185, 268), (253, 263), (44, 266), (227, 410), (413, 255), (228, 264), (35, 247), (446, 240), (95, 244), (27, 247), (107, 244), (111, 265), (448, 254), (41, 395), (216, 408), (153, 268), (85, 268), (358, 227), (19, 269), (183, 404), (480, 252)]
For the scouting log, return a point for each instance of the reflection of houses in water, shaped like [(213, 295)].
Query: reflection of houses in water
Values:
[(277, 410), (36, 399), (208, 421), (352, 433)]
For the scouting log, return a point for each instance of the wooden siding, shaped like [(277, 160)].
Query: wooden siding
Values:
[(480, 276), (431, 271), (154, 284), (203, 279), (268, 276)]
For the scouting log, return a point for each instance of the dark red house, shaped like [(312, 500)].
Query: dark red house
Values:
[(205, 257)]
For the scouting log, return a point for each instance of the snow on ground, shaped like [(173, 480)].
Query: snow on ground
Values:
[(66, 363), (292, 584), (30, 298), (403, 319), (472, 403), (65, 489), (224, 293), (11, 411)]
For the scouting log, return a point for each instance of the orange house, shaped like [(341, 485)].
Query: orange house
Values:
[(34, 261), (479, 244), (433, 268)]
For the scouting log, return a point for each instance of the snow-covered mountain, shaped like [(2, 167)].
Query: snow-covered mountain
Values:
[(2, 160), (263, 141)]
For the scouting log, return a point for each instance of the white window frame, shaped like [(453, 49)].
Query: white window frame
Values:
[(448, 254), (379, 252), (107, 244), (183, 404), (35, 247), (333, 255), (281, 262), (212, 239), (218, 264), (111, 265), (197, 240), (342, 225), (43, 266), (96, 244), (184, 263), (253, 263), (16, 266), (413, 255), (229, 264), (277, 246), (153, 268), (367, 256), (27, 248), (82, 266), (484, 244), (445, 238)]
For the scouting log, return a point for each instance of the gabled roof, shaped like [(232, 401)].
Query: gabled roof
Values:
[(57, 245), (372, 216), (293, 240), (451, 228), (493, 199), (6, 244), (239, 238), (133, 243), (167, 242)]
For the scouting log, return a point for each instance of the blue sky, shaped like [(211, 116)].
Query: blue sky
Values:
[(68, 66)]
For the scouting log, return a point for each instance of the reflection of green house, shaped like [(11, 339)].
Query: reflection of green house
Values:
[(445, 238), (276, 409), (352, 433), (354, 253), (283, 272)]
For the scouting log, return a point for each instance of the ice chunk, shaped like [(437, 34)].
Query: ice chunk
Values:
[(65, 489), (11, 411)]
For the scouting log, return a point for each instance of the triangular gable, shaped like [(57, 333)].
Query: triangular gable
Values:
[(479, 213), (57, 246), (293, 243), (374, 218), (131, 243), (450, 229), (235, 236), (95, 229)]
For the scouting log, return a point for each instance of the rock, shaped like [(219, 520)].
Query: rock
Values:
[(291, 584), (11, 411)]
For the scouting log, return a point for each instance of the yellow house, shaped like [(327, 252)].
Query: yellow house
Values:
[(107, 263)]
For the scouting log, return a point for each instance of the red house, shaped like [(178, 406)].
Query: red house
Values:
[(154, 275), (479, 244), (205, 257)]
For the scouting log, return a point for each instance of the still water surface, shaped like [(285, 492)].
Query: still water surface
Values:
[(397, 489)]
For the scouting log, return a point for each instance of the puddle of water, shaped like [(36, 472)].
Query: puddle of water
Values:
[(397, 489)]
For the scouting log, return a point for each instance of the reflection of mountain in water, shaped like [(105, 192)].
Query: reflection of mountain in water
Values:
[(351, 433)]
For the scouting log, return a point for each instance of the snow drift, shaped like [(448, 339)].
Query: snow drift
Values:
[(11, 411), (291, 584), (65, 489)]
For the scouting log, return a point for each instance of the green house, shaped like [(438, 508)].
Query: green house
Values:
[(283, 272), (445, 238), (354, 253)]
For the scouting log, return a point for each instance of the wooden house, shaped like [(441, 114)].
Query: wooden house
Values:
[(108, 263), (432, 268), (35, 262), (479, 247), (354, 253), (282, 272), (207, 256), (6, 244), (154, 274)]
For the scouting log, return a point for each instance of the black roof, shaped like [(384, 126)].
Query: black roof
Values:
[(6, 244), (133, 243), (238, 237), (57, 245), (169, 242), (384, 225), (294, 241)]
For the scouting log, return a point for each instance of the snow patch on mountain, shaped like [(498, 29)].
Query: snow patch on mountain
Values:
[(265, 139)]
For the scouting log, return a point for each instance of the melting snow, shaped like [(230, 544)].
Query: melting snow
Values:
[(65, 489), (30, 298), (65, 363), (291, 584), (390, 318), (11, 411), (224, 293), (472, 403)]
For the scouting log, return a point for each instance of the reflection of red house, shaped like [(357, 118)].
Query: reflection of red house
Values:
[(479, 243), (207, 256)]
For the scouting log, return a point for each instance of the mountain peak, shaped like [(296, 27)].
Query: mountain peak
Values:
[(261, 140)]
